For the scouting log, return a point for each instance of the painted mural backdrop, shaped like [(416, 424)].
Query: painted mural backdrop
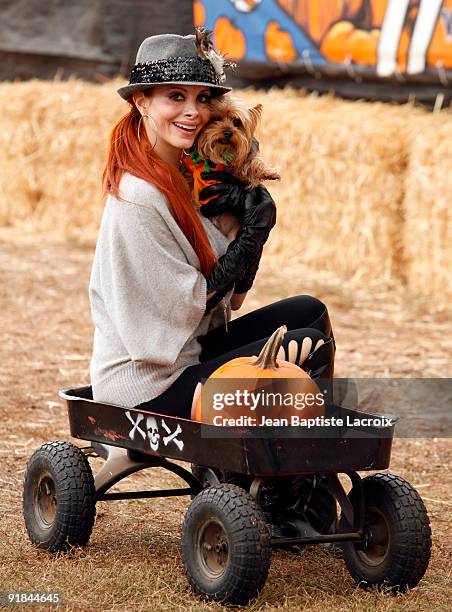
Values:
[(386, 37)]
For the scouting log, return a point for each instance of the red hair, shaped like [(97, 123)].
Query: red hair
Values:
[(127, 154)]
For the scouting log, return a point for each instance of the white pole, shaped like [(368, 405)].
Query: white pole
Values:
[(422, 35), (391, 30)]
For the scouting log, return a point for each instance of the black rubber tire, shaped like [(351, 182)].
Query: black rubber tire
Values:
[(397, 555), (236, 573), (59, 498)]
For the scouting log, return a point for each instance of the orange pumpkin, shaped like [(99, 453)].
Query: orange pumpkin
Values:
[(363, 47), (334, 46), (279, 44), (199, 14), (229, 40), (255, 371)]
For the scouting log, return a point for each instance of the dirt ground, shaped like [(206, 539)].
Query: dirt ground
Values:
[(132, 561)]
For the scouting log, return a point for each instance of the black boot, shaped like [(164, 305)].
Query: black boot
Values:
[(320, 367)]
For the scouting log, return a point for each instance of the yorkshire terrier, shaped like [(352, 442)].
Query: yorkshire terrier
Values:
[(227, 143)]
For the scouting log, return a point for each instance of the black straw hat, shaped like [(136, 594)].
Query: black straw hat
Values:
[(167, 59)]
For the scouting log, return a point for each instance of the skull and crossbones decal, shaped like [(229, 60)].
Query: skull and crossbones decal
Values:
[(151, 431)]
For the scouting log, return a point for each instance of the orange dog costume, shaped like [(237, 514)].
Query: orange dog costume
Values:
[(196, 166)]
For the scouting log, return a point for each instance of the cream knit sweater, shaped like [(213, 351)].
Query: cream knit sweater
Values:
[(148, 297)]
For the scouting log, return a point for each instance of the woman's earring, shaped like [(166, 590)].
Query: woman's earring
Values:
[(155, 129)]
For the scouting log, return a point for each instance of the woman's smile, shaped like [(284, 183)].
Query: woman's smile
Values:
[(187, 129)]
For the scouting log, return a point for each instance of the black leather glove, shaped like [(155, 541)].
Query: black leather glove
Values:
[(258, 218), (245, 283), (228, 194), (259, 214)]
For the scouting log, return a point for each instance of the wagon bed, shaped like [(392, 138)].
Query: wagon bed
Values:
[(268, 451)]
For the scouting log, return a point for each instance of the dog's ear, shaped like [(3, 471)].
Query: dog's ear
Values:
[(256, 113)]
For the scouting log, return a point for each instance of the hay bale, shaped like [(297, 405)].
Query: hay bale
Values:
[(53, 140), (363, 193), (364, 190), (427, 235)]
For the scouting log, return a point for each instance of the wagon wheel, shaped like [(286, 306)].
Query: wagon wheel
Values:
[(59, 498), (225, 545), (397, 543)]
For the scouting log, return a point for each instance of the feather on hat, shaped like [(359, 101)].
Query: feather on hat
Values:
[(206, 50)]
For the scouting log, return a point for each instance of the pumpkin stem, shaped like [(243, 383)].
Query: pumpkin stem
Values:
[(269, 352)]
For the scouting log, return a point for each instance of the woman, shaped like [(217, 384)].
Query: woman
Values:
[(160, 268)]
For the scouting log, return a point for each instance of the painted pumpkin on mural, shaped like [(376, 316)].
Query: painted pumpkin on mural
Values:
[(279, 44), (229, 40), (266, 373), (199, 14)]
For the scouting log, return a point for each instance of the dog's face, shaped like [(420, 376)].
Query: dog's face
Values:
[(227, 138)]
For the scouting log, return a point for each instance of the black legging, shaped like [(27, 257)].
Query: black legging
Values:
[(309, 342)]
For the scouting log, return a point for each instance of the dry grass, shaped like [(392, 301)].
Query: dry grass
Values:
[(132, 562), (364, 192)]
